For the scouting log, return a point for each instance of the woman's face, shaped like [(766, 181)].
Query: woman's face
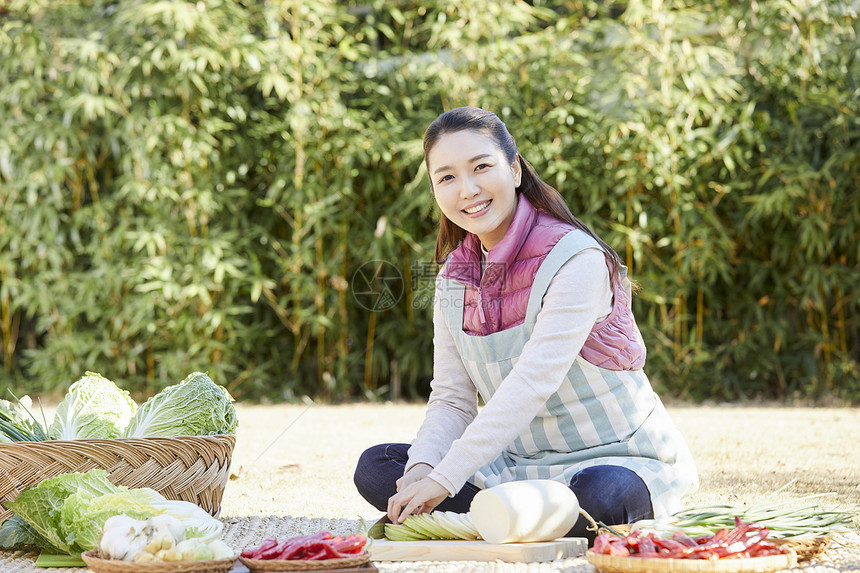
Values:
[(473, 183)]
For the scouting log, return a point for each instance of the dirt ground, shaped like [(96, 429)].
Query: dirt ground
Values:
[(297, 460)]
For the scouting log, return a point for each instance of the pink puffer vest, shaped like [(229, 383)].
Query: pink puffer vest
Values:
[(497, 299)]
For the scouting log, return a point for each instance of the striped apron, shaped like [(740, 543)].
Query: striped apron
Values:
[(597, 416)]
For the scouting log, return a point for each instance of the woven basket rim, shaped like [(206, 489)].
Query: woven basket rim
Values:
[(190, 468), (303, 565), (101, 440), (806, 548), (613, 564), (100, 564)]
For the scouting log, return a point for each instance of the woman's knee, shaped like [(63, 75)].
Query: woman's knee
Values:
[(613, 492), (368, 465), (370, 457), (610, 494), (377, 470)]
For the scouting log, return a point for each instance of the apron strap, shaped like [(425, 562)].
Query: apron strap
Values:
[(571, 244), (453, 299)]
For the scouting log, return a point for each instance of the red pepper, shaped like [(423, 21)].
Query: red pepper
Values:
[(618, 550), (299, 545), (684, 539), (252, 553), (354, 544), (601, 544), (290, 547), (312, 547), (322, 551), (273, 552), (743, 541), (669, 546), (646, 545)]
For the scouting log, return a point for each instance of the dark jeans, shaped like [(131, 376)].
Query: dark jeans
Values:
[(610, 494)]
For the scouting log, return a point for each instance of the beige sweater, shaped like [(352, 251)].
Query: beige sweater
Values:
[(456, 438)]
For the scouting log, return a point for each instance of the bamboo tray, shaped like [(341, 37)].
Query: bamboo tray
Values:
[(805, 548), (303, 565), (99, 565), (768, 564)]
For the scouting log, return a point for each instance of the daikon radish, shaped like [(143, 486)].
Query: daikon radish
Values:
[(525, 510)]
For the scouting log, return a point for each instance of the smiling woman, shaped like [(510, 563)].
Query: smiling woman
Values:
[(477, 194), (532, 312)]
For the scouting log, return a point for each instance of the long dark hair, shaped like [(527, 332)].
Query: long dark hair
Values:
[(541, 195)]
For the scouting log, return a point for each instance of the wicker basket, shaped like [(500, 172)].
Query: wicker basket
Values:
[(805, 548), (255, 565), (768, 564), (101, 565), (185, 468)]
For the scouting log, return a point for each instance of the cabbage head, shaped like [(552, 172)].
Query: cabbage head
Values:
[(83, 514), (194, 407), (41, 506), (67, 513), (93, 408)]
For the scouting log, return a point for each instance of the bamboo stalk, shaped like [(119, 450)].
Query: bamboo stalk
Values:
[(9, 322), (369, 381), (840, 313), (150, 367), (680, 321), (700, 316), (407, 274), (825, 331), (303, 335), (320, 304), (342, 347), (298, 177), (628, 220)]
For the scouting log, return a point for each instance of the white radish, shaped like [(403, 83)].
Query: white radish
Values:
[(524, 510), (452, 521)]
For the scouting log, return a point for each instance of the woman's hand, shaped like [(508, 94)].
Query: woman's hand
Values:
[(418, 497), (415, 473)]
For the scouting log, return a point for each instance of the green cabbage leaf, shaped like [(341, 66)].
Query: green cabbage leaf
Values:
[(83, 515), (93, 408), (67, 513), (16, 533), (42, 506), (197, 406)]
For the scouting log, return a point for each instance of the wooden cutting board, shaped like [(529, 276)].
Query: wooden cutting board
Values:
[(458, 550)]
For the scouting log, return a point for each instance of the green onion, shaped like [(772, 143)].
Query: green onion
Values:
[(15, 426), (791, 518)]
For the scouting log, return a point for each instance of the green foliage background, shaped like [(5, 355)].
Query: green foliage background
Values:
[(196, 185)]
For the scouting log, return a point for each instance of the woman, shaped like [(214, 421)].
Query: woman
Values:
[(532, 312)]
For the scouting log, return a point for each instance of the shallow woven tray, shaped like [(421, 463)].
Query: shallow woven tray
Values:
[(302, 565), (612, 564), (99, 565), (185, 468), (806, 548)]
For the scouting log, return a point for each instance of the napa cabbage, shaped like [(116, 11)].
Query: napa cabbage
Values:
[(197, 406), (68, 512), (41, 506), (94, 407)]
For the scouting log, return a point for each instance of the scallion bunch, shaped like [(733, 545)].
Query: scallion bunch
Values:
[(17, 423), (803, 517)]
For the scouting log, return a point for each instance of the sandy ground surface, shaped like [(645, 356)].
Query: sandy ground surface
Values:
[(298, 460), (293, 464)]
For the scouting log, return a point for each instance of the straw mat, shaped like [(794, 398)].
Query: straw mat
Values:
[(843, 554)]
